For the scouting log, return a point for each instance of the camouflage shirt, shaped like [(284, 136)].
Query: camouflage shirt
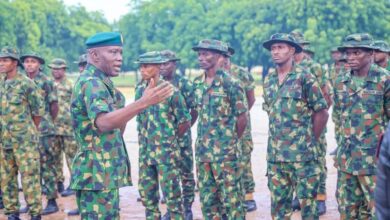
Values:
[(363, 113), (290, 107), (157, 128), (49, 93), (20, 100), (101, 162), (218, 106), (63, 122)]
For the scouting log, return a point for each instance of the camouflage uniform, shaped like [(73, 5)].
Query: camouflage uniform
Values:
[(363, 107), (218, 149), (20, 100), (383, 47), (101, 165), (247, 82)]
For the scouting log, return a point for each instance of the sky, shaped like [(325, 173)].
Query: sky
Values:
[(112, 9)]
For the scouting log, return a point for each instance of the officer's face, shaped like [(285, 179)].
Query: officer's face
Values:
[(109, 59), (31, 65), (380, 56), (149, 71), (281, 52), (208, 59), (358, 58), (58, 73), (336, 55), (7, 65), (168, 68)]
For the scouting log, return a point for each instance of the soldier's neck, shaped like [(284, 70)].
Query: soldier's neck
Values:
[(32, 75), (12, 74), (362, 72)]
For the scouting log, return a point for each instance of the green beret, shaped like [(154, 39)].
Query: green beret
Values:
[(57, 63), (299, 38), (33, 55), (169, 55), (10, 52), (282, 38), (153, 57), (363, 40), (382, 46), (104, 39), (82, 59), (214, 45)]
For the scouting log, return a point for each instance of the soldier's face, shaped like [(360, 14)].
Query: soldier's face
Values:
[(149, 71), (31, 65), (58, 73), (168, 68), (358, 58), (7, 65), (109, 59), (208, 59), (281, 52), (380, 56), (336, 55)]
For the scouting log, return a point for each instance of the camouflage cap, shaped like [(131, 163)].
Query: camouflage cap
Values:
[(33, 55), (308, 49), (169, 55), (82, 59), (231, 50), (153, 57), (214, 45), (361, 40), (334, 49), (10, 52), (382, 46), (57, 63), (299, 38), (282, 38)]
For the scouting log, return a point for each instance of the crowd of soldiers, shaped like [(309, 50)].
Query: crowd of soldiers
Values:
[(44, 117)]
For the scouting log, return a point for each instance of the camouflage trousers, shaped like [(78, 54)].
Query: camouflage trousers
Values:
[(221, 189), (98, 204), (148, 185), (186, 165), (25, 159), (283, 177), (48, 165), (355, 196), (247, 174), (67, 145), (324, 170)]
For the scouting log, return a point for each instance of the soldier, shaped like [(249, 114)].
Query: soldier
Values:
[(297, 114), (20, 111), (63, 123), (247, 82), (101, 165), (159, 128), (382, 52), (168, 71), (222, 120), (32, 63), (82, 62), (362, 103)]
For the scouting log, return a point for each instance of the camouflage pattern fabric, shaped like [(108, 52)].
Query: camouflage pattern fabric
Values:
[(186, 163), (49, 158), (68, 145), (168, 176), (101, 162), (20, 100), (98, 204), (303, 175), (221, 190), (363, 114), (355, 196)]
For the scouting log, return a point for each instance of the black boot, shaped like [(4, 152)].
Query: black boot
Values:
[(295, 204), (13, 216), (321, 207), (167, 216), (36, 217), (67, 192), (250, 205), (74, 212), (188, 212), (24, 209), (51, 207), (60, 187)]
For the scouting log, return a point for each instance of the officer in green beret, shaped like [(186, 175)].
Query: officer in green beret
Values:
[(297, 112), (221, 104), (82, 62), (382, 53), (186, 89), (32, 65), (101, 165), (362, 105), (159, 129), (21, 109)]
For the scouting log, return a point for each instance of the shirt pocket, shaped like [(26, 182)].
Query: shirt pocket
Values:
[(219, 105), (292, 104)]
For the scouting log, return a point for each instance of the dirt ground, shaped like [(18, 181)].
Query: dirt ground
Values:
[(131, 209)]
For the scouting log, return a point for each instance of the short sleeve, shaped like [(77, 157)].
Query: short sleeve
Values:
[(51, 91), (96, 97), (313, 94), (180, 109), (35, 99), (238, 100)]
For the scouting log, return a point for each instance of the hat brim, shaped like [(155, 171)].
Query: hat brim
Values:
[(343, 48), (154, 62), (267, 45), (41, 60), (196, 48), (56, 67)]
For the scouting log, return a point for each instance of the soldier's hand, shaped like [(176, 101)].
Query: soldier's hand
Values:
[(155, 94)]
